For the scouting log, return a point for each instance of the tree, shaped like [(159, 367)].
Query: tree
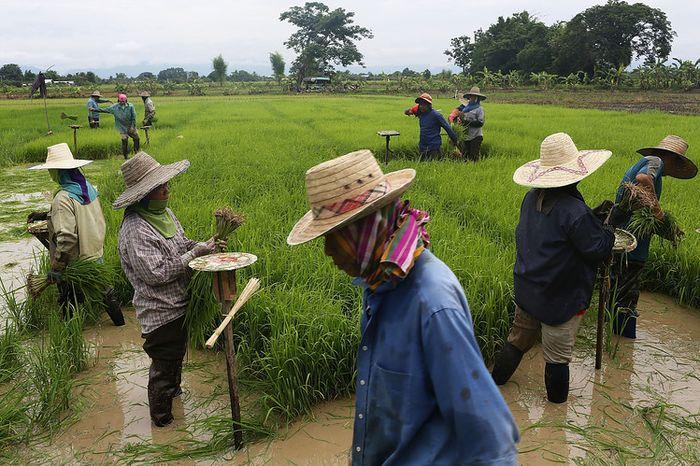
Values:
[(29, 76), (426, 74), (11, 73), (278, 64), (220, 67), (460, 52), (146, 76), (324, 38), (178, 75), (612, 35)]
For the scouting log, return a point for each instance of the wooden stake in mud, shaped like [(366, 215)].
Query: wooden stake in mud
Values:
[(148, 140), (388, 134), (46, 112), (224, 266), (603, 297), (75, 138)]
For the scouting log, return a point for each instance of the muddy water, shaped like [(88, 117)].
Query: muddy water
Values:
[(659, 366)]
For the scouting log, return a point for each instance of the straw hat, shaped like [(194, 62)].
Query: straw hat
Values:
[(142, 174), (95, 94), (474, 91), (342, 190), (560, 164), (424, 96), (144, 94), (672, 151), (59, 156)]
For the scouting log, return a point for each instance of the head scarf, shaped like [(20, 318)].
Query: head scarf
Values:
[(386, 243), (472, 105), (155, 213), (75, 184), (121, 98)]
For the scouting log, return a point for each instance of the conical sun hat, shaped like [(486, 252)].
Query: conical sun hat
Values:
[(142, 174), (560, 164), (96, 94), (60, 157), (474, 91), (144, 94), (672, 151), (346, 189)]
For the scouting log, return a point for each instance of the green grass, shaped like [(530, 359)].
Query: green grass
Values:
[(297, 338)]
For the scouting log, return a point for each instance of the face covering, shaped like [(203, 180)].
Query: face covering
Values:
[(155, 213)]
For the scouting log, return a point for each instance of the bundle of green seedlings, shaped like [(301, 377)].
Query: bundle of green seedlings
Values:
[(203, 310), (643, 223)]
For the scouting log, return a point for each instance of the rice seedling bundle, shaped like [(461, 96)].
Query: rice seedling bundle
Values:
[(88, 278), (636, 197), (227, 221), (644, 224)]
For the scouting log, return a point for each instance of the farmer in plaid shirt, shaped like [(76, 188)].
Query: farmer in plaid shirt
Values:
[(154, 253)]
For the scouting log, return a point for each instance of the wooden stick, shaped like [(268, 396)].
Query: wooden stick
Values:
[(602, 306), (251, 287)]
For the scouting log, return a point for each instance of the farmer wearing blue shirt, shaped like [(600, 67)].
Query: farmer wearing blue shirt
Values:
[(125, 122), (423, 394), (431, 122), (559, 245), (668, 158), (92, 104)]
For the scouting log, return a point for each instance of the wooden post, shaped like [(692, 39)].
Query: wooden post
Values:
[(75, 138), (386, 156), (226, 283), (602, 307), (46, 112)]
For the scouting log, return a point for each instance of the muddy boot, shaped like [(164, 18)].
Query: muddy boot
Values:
[(556, 379), (137, 145), (160, 386), (506, 362), (178, 379), (113, 308), (125, 148), (625, 324)]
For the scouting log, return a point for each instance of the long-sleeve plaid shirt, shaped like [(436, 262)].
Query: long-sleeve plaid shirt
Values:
[(155, 269)]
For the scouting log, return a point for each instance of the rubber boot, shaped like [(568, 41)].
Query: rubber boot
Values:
[(506, 362), (160, 392), (125, 148), (556, 379), (137, 145), (113, 308), (178, 379), (625, 324)]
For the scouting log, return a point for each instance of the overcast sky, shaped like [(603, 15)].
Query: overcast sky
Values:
[(149, 35)]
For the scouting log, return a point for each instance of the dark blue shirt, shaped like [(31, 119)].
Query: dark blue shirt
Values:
[(654, 167), (430, 124), (558, 250), (424, 396)]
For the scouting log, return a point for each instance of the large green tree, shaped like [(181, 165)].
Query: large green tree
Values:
[(278, 65), (11, 73), (460, 52), (611, 36), (324, 38), (220, 66)]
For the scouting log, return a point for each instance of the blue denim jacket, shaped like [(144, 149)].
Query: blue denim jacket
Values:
[(424, 395), (430, 125)]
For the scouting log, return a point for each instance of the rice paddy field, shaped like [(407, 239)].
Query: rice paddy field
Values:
[(296, 339)]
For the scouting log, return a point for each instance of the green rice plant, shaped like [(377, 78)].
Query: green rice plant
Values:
[(15, 423), (50, 384), (66, 338), (203, 310), (644, 224), (10, 352)]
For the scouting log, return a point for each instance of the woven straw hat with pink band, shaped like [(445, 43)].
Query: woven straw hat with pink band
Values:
[(672, 151), (560, 164), (142, 174), (346, 189)]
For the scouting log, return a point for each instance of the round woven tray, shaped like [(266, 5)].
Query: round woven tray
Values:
[(223, 261), (41, 226), (624, 241)]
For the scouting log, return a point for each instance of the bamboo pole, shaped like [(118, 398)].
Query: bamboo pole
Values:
[(602, 307), (251, 287)]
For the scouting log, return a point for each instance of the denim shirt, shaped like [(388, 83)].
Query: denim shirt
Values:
[(92, 104), (423, 393), (654, 167), (430, 124), (124, 116)]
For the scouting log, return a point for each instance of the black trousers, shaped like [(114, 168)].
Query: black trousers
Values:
[(432, 154), (626, 284), (166, 347), (472, 148), (93, 123)]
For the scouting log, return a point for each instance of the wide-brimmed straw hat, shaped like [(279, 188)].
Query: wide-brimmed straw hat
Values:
[(95, 94), (144, 94), (560, 164), (474, 91), (345, 189), (424, 96), (60, 157), (672, 151), (142, 174)]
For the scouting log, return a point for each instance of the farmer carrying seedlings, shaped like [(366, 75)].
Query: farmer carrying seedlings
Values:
[(666, 159), (424, 395), (92, 104), (559, 245), (149, 109), (154, 252), (431, 121), (471, 115), (124, 122), (76, 226)]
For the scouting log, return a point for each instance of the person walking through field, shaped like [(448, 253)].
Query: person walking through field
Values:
[(76, 226), (154, 253), (559, 245), (423, 393), (431, 122), (470, 114), (666, 159), (93, 103), (149, 109), (125, 122)]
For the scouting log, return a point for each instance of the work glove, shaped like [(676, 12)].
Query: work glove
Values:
[(37, 216), (201, 249), (54, 276)]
